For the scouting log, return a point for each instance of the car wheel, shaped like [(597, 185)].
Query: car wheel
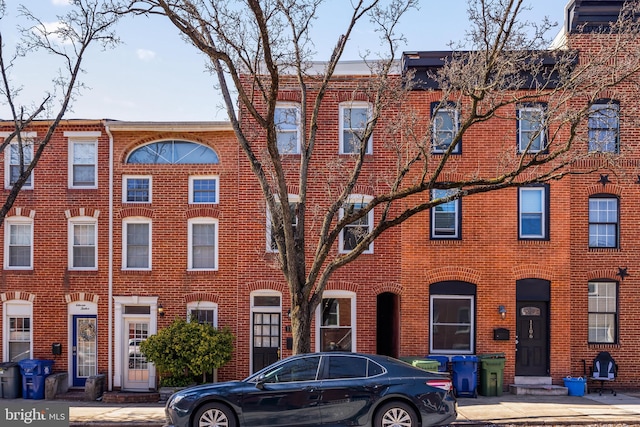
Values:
[(396, 414), (214, 415)]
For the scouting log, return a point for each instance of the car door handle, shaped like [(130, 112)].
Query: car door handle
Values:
[(313, 393)]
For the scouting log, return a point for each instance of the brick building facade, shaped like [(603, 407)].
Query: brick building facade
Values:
[(127, 225)]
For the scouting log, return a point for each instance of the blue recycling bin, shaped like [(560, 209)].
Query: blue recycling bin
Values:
[(443, 362), (34, 372), (465, 375), (575, 386)]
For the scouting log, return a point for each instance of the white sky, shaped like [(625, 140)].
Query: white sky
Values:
[(153, 75)]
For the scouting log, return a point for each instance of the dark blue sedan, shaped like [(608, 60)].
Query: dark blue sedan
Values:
[(321, 389)]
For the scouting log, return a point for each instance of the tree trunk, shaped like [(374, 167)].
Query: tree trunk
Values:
[(301, 317)]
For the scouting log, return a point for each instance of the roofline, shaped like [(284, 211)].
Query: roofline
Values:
[(199, 126), (48, 122), (119, 125)]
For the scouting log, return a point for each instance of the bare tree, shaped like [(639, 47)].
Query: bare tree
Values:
[(87, 23), (257, 49)]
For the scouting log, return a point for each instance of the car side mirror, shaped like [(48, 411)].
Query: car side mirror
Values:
[(260, 382)]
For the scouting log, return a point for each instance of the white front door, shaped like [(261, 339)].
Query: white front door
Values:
[(136, 368)]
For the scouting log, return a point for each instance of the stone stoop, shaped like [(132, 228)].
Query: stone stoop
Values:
[(536, 386), (130, 397), (538, 389)]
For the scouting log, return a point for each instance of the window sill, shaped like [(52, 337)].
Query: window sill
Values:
[(25, 271), (349, 155), (201, 272), (136, 204), (137, 272), (91, 272), (600, 249), (527, 242), (94, 187), (600, 346), (454, 241)]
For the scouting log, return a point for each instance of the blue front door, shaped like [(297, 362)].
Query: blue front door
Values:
[(84, 350)]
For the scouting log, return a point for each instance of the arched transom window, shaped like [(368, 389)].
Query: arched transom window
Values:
[(173, 152)]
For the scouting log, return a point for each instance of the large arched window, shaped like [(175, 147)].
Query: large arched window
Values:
[(173, 152)]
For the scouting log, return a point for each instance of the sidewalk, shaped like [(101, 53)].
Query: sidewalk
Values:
[(508, 409), (531, 410)]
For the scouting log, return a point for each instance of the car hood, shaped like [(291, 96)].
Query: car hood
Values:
[(215, 388)]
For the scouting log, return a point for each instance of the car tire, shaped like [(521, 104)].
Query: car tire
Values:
[(395, 414), (214, 415)]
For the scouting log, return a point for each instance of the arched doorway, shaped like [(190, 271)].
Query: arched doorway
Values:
[(388, 324)]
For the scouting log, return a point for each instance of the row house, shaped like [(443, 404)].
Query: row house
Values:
[(121, 228), (124, 226)]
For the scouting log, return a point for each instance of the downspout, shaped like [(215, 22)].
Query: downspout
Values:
[(110, 269)]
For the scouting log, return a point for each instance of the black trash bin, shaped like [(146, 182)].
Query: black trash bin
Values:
[(34, 372), (465, 375), (10, 384)]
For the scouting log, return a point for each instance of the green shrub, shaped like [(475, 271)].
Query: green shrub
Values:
[(187, 349)]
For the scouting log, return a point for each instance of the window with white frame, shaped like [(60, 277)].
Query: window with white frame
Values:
[(533, 212), (531, 128), (287, 122), (18, 243), (354, 233), (445, 125), (603, 221), (452, 324), (83, 160), (19, 157), (203, 189), (336, 320), (272, 245), (83, 243), (136, 189), (203, 312), (173, 152), (354, 117), (603, 312), (136, 233), (203, 244), (445, 217), (17, 330), (604, 127)]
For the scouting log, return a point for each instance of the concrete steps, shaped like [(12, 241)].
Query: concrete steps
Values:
[(538, 389), (540, 386)]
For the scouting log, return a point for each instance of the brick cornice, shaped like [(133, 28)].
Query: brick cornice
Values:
[(74, 212), (17, 295), (201, 296), (603, 273), (204, 211), (137, 211), (18, 211), (528, 271), (81, 296), (452, 272), (271, 285), (391, 287)]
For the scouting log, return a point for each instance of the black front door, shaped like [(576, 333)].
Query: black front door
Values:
[(266, 339), (532, 338)]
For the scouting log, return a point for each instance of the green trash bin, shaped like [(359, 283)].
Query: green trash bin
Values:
[(422, 363), (426, 364), (491, 374)]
